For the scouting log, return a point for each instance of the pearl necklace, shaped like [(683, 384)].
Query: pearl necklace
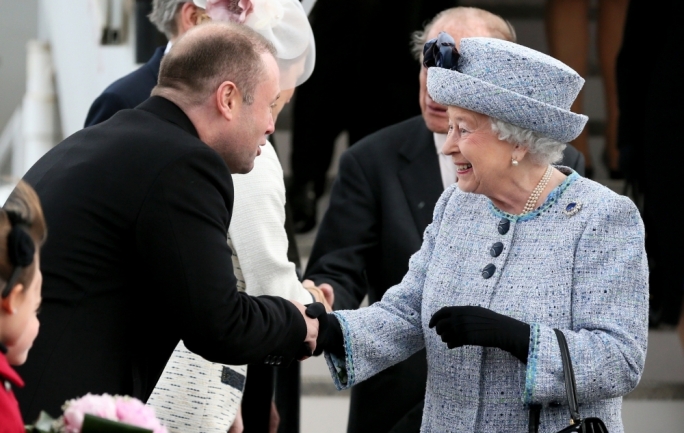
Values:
[(530, 205)]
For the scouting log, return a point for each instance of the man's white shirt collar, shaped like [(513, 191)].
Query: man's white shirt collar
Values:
[(447, 167)]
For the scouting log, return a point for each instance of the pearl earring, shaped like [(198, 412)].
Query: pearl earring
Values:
[(514, 162)]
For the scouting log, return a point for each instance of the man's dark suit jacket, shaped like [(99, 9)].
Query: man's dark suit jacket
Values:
[(381, 203), (129, 92), (126, 92), (138, 209)]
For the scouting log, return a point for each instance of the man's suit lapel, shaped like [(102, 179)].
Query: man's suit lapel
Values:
[(420, 178)]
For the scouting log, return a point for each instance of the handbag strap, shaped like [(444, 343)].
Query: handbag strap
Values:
[(569, 373), (570, 387), (535, 414)]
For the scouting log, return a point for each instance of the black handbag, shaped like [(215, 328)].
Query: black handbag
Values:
[(577, 424)]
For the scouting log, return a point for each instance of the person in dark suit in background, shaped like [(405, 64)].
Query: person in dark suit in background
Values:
[(355, 40), (138, 209), (173, 18), (381, 202), (650, 148)]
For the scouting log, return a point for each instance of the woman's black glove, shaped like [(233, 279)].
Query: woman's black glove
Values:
[(329, 331), (477, 326)]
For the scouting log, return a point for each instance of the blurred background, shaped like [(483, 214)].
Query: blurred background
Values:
[(56, 57)]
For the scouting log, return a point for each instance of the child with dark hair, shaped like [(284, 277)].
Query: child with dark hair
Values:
[(22, 232)]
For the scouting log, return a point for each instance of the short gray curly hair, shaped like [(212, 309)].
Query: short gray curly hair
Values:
[(163, 16), (542, 150)]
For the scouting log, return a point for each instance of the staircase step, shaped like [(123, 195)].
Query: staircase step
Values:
[(657, 391), (321, 387)]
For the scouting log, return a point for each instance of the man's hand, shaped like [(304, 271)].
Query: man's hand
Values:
[(323, 293), (274, 420), (311, 331), (329, 293), (238, 426)]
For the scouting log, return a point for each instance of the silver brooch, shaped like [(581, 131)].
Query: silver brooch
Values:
[(572, 208)]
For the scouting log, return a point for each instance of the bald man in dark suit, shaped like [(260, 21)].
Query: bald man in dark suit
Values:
[(138, 208)]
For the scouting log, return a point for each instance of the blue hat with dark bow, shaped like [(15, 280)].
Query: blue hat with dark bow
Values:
[(505, 81)]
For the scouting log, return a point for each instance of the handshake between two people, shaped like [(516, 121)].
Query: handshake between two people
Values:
[(314, 315), (329, 335), (323, 330)]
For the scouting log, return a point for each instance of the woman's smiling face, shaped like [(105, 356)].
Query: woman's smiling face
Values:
[(481, 158)]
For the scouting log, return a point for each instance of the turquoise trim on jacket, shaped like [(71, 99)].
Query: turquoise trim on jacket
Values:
[(342, 370), (551, 199)]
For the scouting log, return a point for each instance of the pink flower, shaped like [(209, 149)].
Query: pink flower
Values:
[(75, 410), (133, 411), (115, 408), (229, 10)]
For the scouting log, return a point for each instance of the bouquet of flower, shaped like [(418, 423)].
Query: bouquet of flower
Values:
[(103, 414)]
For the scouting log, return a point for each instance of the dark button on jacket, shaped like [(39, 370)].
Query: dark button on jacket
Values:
[(504, 226), (488, 271), (496, 249)]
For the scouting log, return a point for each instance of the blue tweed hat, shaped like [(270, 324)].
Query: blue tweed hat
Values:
[(508, 82)]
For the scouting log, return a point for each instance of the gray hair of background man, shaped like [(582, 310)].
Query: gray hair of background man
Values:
[(209, 55), (499, 27), (163, 16)]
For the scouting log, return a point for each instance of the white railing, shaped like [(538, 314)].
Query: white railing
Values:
[(70, 60), (32, 129), (83, 67), (11, 144), (39, 124)]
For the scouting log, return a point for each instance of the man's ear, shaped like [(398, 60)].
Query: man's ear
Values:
[(10, 304), (188, 17), (228, 99)]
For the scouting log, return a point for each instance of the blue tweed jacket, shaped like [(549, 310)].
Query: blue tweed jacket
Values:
[(584, 273)]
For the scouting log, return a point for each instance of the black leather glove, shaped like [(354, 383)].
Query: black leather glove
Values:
[(329, 331), (477, 326)]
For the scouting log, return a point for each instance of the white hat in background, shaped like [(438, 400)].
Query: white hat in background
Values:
[(283, 22)]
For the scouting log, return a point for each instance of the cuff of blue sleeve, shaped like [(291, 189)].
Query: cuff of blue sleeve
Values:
[(338, 371), (342, 370), (532, 358)]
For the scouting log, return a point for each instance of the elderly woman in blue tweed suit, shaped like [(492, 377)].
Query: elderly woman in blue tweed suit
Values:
[(518, 247)]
